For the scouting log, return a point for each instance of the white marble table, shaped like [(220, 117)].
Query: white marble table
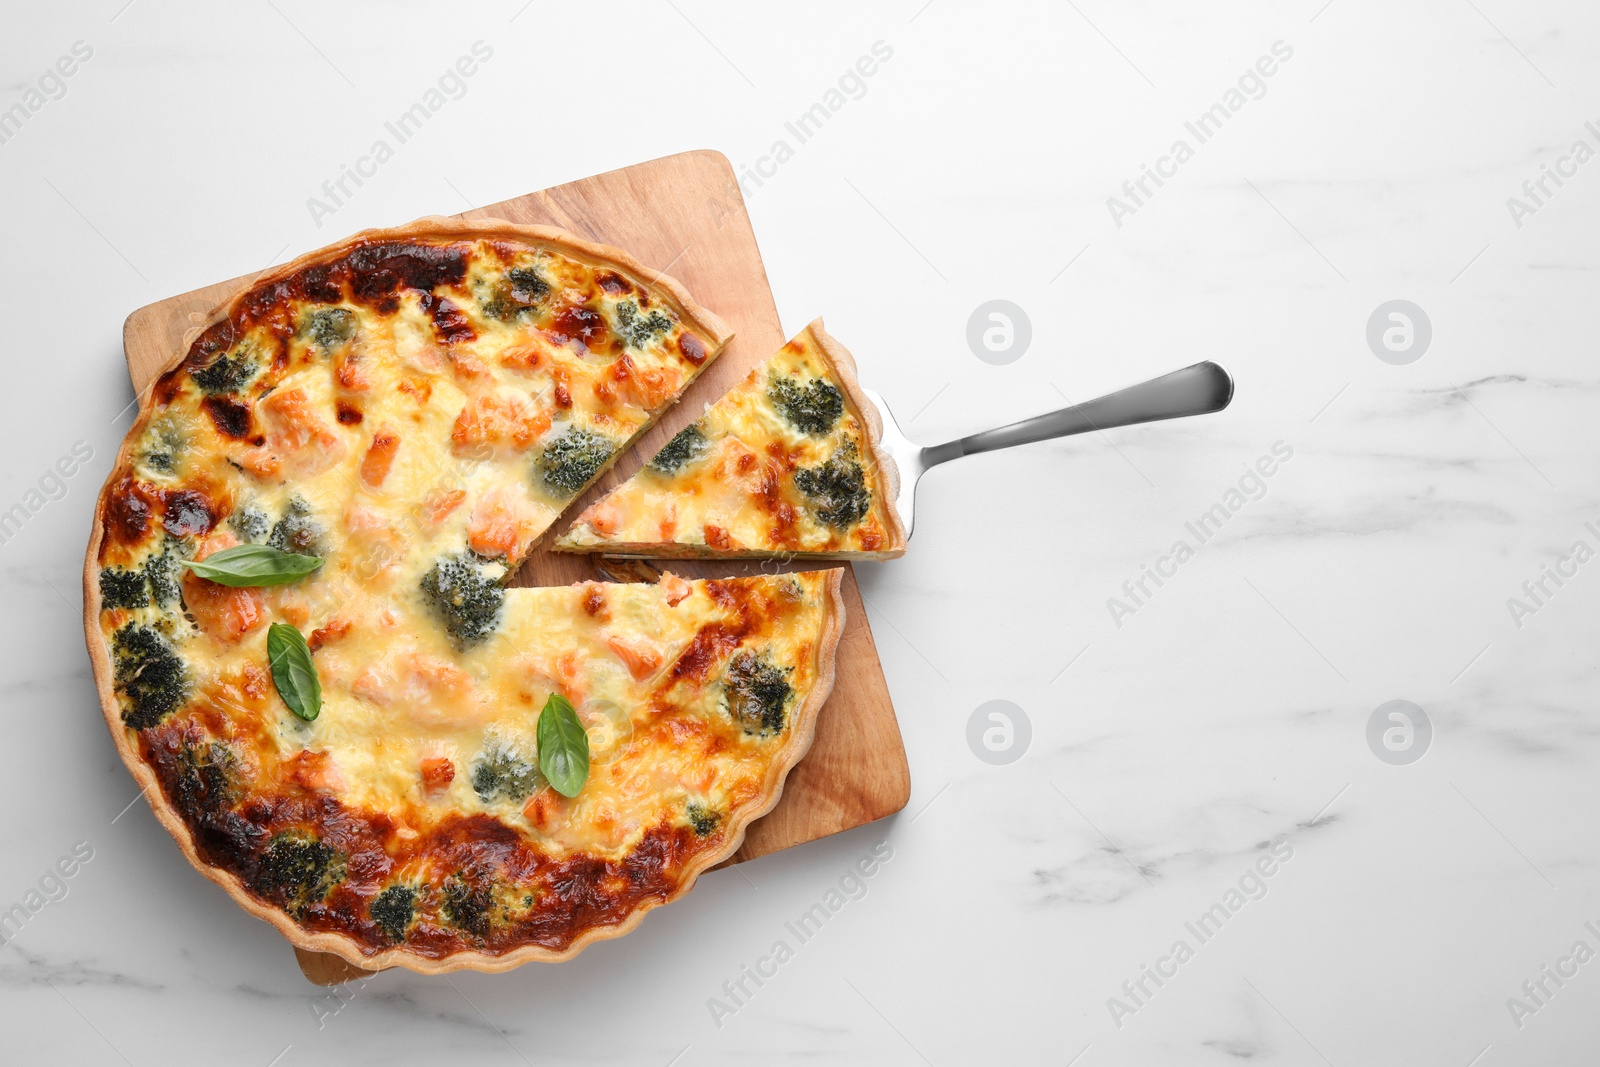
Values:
[(1180, 746)]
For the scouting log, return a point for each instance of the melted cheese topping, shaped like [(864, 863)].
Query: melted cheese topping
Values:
[(780, 465), (418, 418), (397, 693)]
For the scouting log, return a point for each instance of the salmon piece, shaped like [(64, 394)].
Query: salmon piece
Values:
[(686, 735), (561, 674), (376, 683), (377, 533), (428, 358), (547, 810), (667, 525), (325, 635), (436, 675), (221, 611), (572, 684), (869, 535), (293, 422), (610, 826), (440, 503), (468, 367), (676, 588), (260, 462), (353, 372), (314, 772), (437, 774), (605, 518), (380, 456), (523, 358), (293, 429), (502, 524), (216, 541), (255, 682), (413, 678), (230, 702), (718, 538), (492, 421), (359, 518), (419, 389), (639, 656), (646, 388), (291, 603)]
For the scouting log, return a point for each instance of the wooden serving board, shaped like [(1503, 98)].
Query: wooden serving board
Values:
[(682, 215)]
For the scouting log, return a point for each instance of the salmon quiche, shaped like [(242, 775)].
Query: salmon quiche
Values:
[(303, 640), (786, 464)]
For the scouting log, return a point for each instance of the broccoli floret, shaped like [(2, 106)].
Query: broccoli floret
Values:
[(467, 904), (812, 408), (162, 442), (527, 285), (163, 571), (572, 460), (250, 523), (392, 909), (148, 673), (466, 599), (703, 819), (298, 871), (296, 531), (837, 489), (206, 778), (121, 588), (502, 771), (515, 295), (756, 693), (640, 329), (225, 374), (154, 583), (689, 444), (329, 328)]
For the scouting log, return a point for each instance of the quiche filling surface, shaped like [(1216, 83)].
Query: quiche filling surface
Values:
[(415, 413)]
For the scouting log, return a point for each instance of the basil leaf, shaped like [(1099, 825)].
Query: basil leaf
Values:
[(293, 672), (250, 565), (563, 746)]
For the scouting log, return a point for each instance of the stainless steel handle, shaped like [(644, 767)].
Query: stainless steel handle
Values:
[(1197, 390)]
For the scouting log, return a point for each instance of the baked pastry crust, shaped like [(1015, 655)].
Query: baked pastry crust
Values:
[(740, 495), (796, 735)]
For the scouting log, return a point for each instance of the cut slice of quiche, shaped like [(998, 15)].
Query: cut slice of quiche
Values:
[(786, 464)]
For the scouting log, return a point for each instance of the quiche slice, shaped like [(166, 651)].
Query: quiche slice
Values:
[(391, 422), (785, 464)]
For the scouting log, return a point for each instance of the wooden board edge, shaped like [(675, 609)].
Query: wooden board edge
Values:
[(325, 969)]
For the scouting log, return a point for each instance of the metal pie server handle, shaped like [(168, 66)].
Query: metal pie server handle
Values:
[(1197, 390)]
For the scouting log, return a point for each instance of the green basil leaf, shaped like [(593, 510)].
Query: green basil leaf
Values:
[(293, 672), (250, 565), (563, 746)]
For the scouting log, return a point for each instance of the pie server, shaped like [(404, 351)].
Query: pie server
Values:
[(1197, 390)]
